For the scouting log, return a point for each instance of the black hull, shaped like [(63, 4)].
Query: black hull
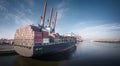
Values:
[(44, 49)]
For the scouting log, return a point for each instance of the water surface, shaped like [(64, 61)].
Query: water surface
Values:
[(85, 54)]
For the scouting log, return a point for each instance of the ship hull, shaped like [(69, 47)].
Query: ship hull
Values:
[(43, 49)]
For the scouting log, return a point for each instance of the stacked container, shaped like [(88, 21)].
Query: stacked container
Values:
[(24, 36), (30, 35), (38, 37), (45, 37)]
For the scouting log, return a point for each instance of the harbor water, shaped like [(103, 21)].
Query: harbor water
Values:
[(85, 54)]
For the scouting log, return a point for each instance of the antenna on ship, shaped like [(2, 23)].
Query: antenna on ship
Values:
[(43, 15)]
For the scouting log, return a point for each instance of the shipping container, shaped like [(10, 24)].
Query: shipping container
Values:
[(37, 34), (38, 40), (45, 40), (45, 35)]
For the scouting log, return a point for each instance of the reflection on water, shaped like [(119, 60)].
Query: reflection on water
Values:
[(85, 54), (51, 60)]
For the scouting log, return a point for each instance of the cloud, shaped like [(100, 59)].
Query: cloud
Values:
[(7, 35), (30, 11), (17, 21), (23, 21), (3, 5), (20, 19), (2, 8), (106, 31), (30, 2), (24, 9), (104, 27), (61, 9)]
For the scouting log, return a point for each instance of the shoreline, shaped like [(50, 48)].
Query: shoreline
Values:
[(7, 50), (7, 53), (107, 41)]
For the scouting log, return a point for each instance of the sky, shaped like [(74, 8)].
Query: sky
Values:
[(91, 19)]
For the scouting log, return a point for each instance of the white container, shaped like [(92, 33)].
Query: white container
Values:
[(45, 40)]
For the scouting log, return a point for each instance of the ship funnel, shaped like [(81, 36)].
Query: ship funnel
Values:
[(43, 15), (55, 18), (50, 18)]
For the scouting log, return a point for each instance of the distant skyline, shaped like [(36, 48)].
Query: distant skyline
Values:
[(92, 19)]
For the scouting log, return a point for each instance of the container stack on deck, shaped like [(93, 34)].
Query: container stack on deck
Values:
[(23, 34), (29, 35)]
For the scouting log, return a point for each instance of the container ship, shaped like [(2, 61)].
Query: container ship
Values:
[(38, 40)]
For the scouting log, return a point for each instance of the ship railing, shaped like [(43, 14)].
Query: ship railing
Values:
[(25, 43), (21, 43), (58, 42), (24, 46)]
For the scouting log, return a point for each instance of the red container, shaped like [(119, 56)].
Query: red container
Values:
[(37, 35), (37, 40), (45, 35)]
